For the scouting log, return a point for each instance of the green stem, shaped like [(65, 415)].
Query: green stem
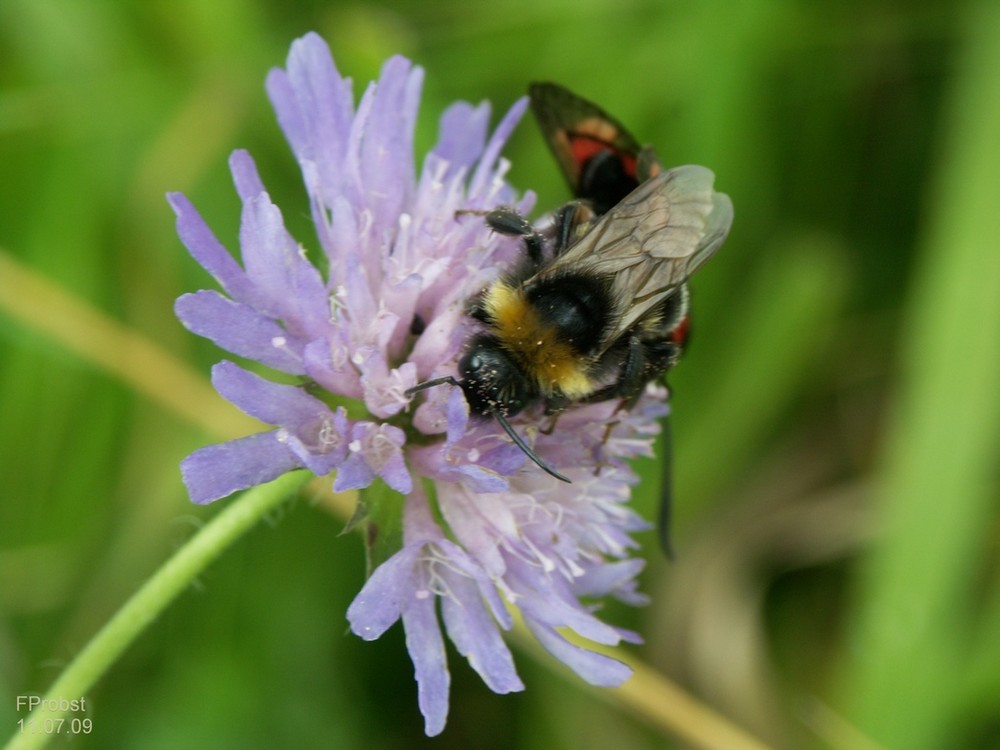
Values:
[(148, 602)]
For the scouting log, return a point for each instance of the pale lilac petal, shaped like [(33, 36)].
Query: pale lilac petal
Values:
[(475, 635), (246, 178), (460, 561), (475, 532), (543, 598), (381, 445), (205, 247), (482, 178), (269, 402), (615, 579), (476, 478), (280, 270), (596, 669), (322, 448), (384, 389), (458, 415), (462, 134), (359, 304), (382, 599), (239, 329), (426, 647), (401, 301), (331, 367), (314, 105), (387, 146), (354, 473), (396, 475), (216, 471), (504, 459)]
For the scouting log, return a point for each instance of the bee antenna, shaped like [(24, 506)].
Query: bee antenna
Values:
[(519, 442), (430, 384)]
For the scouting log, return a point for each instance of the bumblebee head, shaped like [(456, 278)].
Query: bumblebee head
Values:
[(495, 387), (492, 382)]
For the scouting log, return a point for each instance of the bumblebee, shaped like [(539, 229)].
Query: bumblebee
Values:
[(598, 307)]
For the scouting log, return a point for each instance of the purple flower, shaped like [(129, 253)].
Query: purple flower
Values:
[(388, 310)]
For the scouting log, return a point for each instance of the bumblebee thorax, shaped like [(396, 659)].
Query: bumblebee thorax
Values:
[(529, 328)]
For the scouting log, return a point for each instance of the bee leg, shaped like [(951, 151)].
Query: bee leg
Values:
[(548, 430), (568, 220), (551, 427), (554, 406), (651, 361), (506, 220), (607, 436), (634, 373), (666, 491), (632, 377), (642, 364)]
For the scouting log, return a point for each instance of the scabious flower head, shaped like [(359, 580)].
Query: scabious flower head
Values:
[(383, 308)]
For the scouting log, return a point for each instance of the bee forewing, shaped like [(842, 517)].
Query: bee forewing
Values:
[(673, 222), (694, 213), (651, 242), (716, 230)]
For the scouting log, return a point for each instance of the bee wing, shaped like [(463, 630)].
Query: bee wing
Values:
[(651, 242)]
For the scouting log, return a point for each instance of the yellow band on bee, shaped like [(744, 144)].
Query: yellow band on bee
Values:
[(554, 364)]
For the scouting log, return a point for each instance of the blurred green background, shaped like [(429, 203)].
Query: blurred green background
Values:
[(836, 419)]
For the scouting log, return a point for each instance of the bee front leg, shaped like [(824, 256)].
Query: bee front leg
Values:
[(506, 220)]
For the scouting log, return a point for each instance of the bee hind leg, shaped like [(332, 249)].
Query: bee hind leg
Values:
[(633, 374), (632, 378)]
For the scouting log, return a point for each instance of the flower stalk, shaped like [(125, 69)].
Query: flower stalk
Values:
[(155, 595)]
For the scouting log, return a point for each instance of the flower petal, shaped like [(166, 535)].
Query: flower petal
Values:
[(314, 105), (595, 668), (462, 134), (616, 579), (546, 599), (277, 266), (354, 473), (483, 179), (240, 329), (216, 471), (269, 402), (475, 634), (385, 594), (426, 647), (387, 147), (205, 248), (328, 363)]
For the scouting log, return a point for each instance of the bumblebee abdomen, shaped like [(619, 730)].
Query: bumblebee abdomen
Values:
[(552, 328)]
